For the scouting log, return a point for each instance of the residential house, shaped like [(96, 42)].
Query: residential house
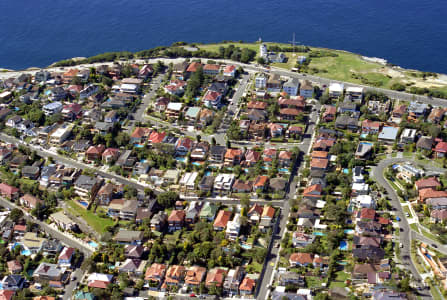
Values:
[(440, 149), (13, 282), (183, 146), (110, 155), (260, 183), (99, 280), (417, 109), (86, 187), (261, 81), (389, 134), (206, 183), (230, 71), (222, 219), (155, 274), (129, 237), (217, 153), (215, 277), (46, 272), (291, 86), (133, 267), (247, 286), (370, 127), (223, 183), (268, 213), (289, 113), (408, 136), (363, 150), (233, 280), (161, 104), (336, 90), (8, 191), (105, 194), (52, 108), (158, 221), (194, 276), (192, 212), (301, 239), (133, 251), (205, 118), (211, 69), (379, 107), (306, 89), (436, 115), (71, 111), (285, 158), (438, 215), (233, 157), (212, 99), (30, 201), (329, 113), (14, 267), (66, 256), (355, 93), (425, 143), (300, 259), (277, 184), (176, 220), (173, 109), (175, 275), (346, 122), (62, 221), (319, 163), (233, 228), (274, 83), (94, 152), (427, 183), (399, 111), (208, 212)]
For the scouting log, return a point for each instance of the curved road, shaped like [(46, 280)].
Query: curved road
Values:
[(407, 234)]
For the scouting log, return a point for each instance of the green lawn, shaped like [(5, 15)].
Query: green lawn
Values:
[(254, 267), (313, 282), (436, 295), (407, 210), (97, 223)]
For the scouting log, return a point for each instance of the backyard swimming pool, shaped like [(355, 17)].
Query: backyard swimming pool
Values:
[(343, 245), (25, 252), (318, 233), (181, 159), (93, 244), (349, 231)]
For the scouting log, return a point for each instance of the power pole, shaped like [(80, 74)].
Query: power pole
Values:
[(293, 42)]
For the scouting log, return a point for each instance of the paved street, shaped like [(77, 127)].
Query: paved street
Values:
[(63, 237), (406, 234), (71, 286), (74, 163)]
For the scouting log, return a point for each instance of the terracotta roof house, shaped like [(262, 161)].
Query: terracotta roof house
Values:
[(211, 69), (233, 157), (230, 71), (110, 155), (215, 277), (195, 275), (300, 259), (222, 219), (440, 149), (155, 273), (427, 183), (297, 103), (30, 201), (329, 113), (6, 294), (247, 286), (176, 220), (367, 214), (175, 275), (8, 191), (319, 163), (193, 67), (156, 137), (288, 113), (313, 191), (14, 267), (285, 158), (255, 212), (429, 193), (162, 103), (98, 280), (268, 213), (257, 105), (251, 157), (260, 183), (370, 127), (94, 152)]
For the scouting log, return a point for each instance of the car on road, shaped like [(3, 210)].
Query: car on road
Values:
[(434, 245), (407, 214)]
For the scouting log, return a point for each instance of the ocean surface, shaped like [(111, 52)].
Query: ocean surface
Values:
[(409, 33)]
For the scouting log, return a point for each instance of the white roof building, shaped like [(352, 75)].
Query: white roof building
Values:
[(188, 180)]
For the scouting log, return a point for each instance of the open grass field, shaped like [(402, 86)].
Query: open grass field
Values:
[(97, 223), (349, 67)]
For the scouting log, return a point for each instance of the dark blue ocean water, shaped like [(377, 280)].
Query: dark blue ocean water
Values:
[(409, 33)]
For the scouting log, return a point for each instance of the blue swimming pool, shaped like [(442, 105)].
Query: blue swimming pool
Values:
[(93, 244), (343, 245), (346, 171), (343, 263), (83, 203), (207, 173), (318, 233), (283, 170), (138, 146), (196, 164), (349, 231), (180, 159), (246, 247), (143, 161), (363, 135), (25, 252)]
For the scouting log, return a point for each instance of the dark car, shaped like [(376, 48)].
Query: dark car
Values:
[(434, 245)]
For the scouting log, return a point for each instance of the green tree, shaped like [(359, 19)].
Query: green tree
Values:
[(16, 214)]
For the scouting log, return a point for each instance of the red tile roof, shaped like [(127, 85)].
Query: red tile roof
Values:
[(211, 67), (430, 193), (211, 95), (368, 213), (98, 284), (247, 284), (7, 189), (6, 294), (261, 181), (256, 208), (302, 258), (320, 163), (95, 149), (216, 276), (232, 153), (268, 212), (193, 67), (156, 137), (431, 182), (222, 219), (289, 111), (441, 147), (140, 132), (313, 190), (229, 69), (176, 216), (155, 272)]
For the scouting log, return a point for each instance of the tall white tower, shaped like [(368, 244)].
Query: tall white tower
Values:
[(263, 50)]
